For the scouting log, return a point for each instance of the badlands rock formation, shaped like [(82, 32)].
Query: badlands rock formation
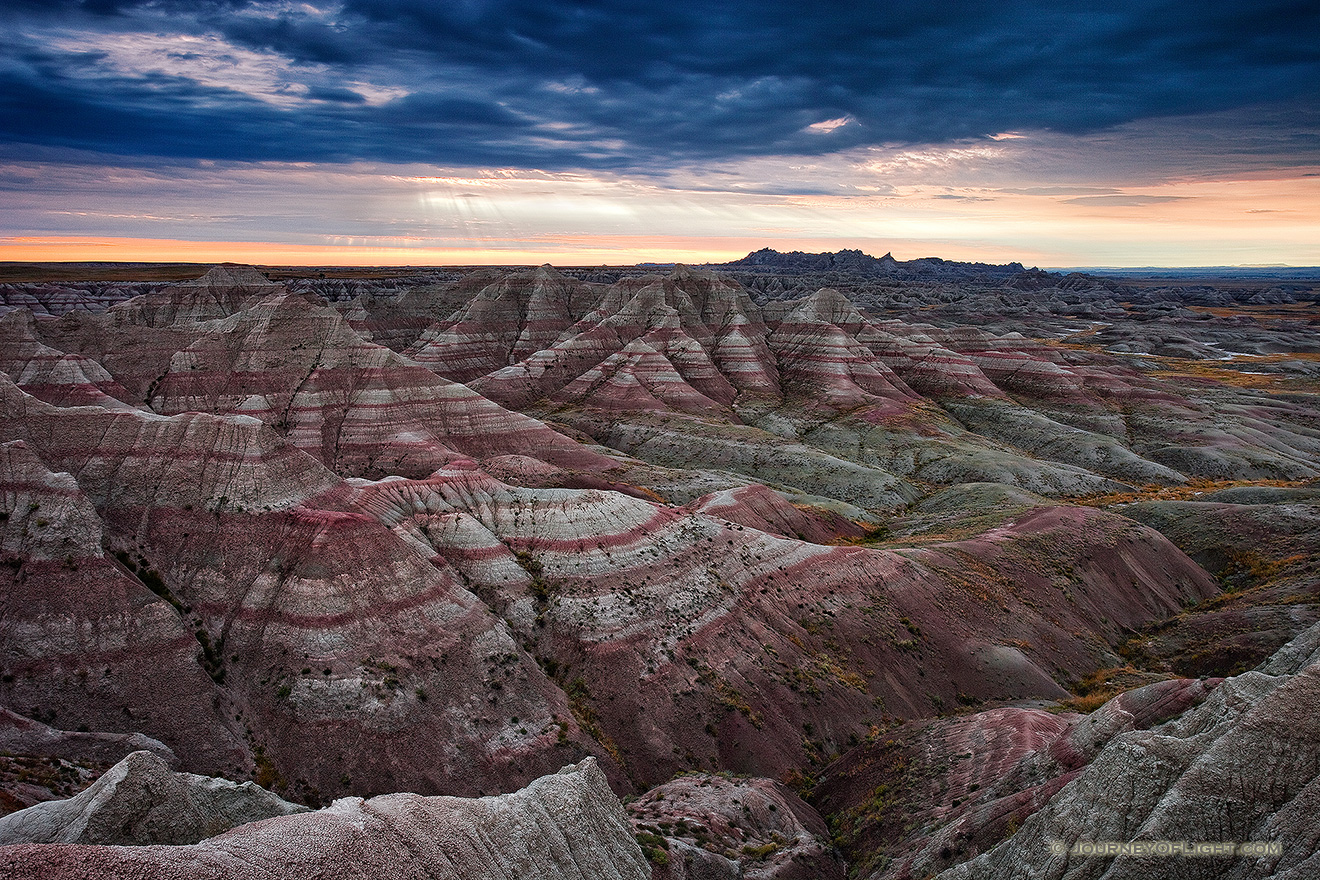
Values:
[(1243, 767), (423, 601), (40, 763), (446, 537), (25, 736), (567, 826), (85, 641), (717, 826), (929, 794), (138, 802), (689, 641), (153, 634), (1260, 542)]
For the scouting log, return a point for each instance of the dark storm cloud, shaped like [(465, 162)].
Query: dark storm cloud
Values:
[(633, 84)]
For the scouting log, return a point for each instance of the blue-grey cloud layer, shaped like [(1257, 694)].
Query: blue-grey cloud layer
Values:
[(636, 83)]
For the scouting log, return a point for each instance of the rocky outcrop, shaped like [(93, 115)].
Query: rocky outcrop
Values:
[(138, 802), (40, 763), (766, 510), (1242, 767), (706, 327), (52, 375), (821, 358), (928, 794), (507, 321), (133, 459), (851, 260), (716, 826), (219, 293), (27, 736), (568, 826)]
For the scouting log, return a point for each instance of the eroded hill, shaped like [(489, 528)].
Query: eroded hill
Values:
[(450, 538)]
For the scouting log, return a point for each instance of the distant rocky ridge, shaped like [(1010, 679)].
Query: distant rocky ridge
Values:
[(923, 269), (1003, 297), (53, 299)]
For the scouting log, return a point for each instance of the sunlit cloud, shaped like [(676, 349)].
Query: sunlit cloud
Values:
[(571, 88), (212, 62), (936, 158), (829, 125)]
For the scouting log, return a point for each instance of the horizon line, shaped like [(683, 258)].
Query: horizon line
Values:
[(570, 251)]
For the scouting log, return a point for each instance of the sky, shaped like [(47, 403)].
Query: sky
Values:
[(414, 132)]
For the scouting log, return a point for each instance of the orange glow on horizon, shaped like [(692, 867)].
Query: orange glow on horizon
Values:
[(266, 253), (611, 250)]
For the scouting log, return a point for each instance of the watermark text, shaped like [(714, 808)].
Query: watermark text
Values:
[(1148, 849)]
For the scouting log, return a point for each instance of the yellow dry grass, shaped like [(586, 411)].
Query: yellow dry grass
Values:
[(1189, 491)]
